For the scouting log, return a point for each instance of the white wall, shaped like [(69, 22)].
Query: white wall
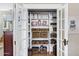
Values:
[(1, 34), (42, 5), (1, 27), (74, 35), (6, 6)]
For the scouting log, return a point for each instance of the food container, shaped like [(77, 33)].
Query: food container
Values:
[(35, 34), (53, 35), (43, 34)]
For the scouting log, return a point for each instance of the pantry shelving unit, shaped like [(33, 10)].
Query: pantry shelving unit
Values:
[(40, 24)]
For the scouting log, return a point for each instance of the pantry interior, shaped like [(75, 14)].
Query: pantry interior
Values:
[(42, 32)]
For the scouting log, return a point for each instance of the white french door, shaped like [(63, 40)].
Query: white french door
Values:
[(62, 31)]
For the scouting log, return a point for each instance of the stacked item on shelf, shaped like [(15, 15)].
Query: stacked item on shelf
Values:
[(39, 42), (53, 33), (42, 33), (35, 33), (53, 41), (39, 20), (55, 50), (39, 15), (39, 33), (35, 51), (39, 51), (29, 52), (43, 50)]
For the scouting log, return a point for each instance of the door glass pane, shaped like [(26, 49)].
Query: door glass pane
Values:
[(59, 38), (59, 29), (63, 35), (62, 40), (63, 24), (63, 14), (62, 46), (59, 19), (61, 32), (62, 53), (59, 52), (63, 29), (59, 44), (63, 17)]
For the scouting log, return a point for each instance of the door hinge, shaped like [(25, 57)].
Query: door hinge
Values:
[(65, 42)]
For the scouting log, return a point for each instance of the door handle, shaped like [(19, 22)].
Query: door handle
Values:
[(15, 42), (65, 42)]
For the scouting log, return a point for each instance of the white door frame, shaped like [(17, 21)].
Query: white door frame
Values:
[(66, 29), (59, 40), (39, 6)]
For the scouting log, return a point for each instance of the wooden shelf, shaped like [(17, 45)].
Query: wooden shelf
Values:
[(38, 45), (53, 38), (40, 19), (40, 27), (40, 39), (53, 31)]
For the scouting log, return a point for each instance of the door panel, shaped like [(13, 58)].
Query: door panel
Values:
[(8, 43), (62, 33)]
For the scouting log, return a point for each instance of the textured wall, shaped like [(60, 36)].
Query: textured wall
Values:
[(74, 35)]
